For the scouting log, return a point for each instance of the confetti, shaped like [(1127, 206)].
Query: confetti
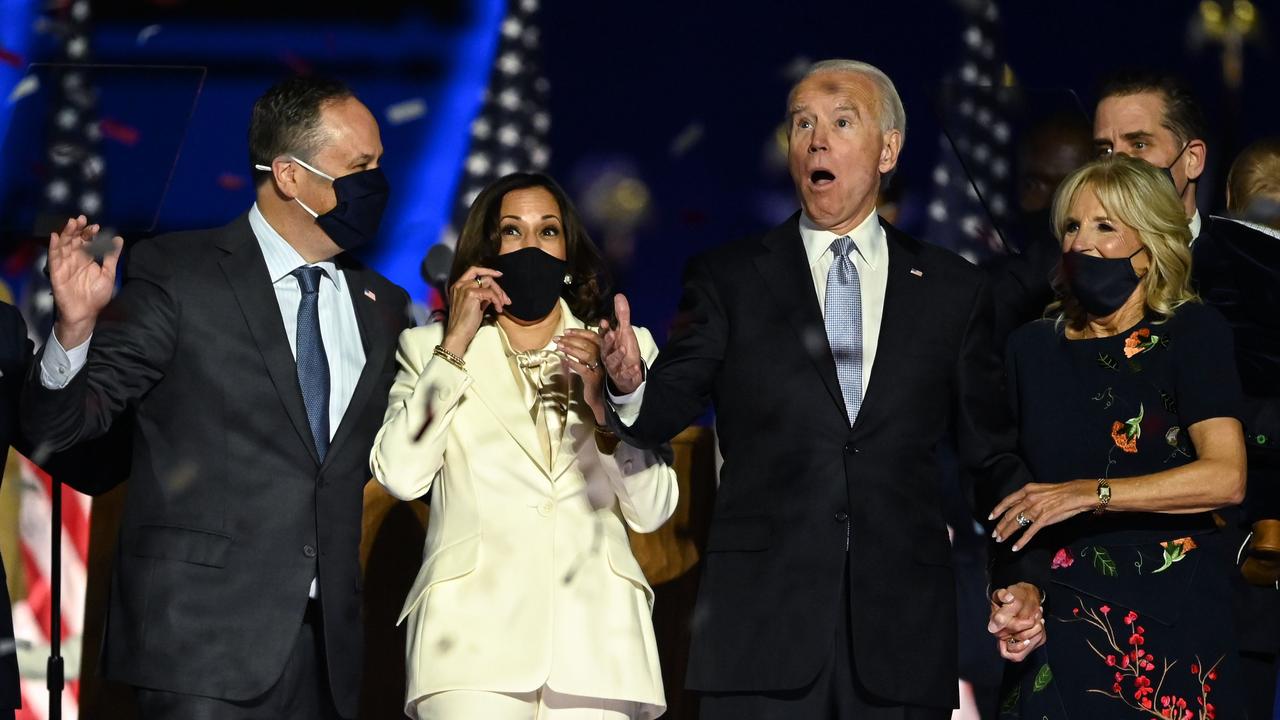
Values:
[(121, 133), (102, 243), (406, 111), (9, 57), (690, 136), (147, 33), (231, 181), (295, 63), (26, 86)]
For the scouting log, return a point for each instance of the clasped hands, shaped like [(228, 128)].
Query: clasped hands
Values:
[(1017, 620)]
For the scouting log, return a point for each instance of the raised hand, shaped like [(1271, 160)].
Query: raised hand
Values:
[(476, 291), (81, 287), (622, 360)]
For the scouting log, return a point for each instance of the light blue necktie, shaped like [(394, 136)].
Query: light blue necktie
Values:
[(313, 364), (843, 318)]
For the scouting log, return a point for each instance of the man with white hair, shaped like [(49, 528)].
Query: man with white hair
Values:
[(837, 351)]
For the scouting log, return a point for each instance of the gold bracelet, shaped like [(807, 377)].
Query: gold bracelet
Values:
[(449, 357), (606, 440), (1104, 496)]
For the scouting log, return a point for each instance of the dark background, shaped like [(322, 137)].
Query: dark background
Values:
[(680, 100)]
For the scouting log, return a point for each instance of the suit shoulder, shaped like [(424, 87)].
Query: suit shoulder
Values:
[(1033, 333), (1198, 317), (176, 248), (423, 336), (9, 314), (727, 255)]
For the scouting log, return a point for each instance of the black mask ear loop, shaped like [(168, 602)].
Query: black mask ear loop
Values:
[(1134, 254), (1168, 170)]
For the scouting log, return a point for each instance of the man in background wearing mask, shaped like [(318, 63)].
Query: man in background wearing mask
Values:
[(257, 358), (1155, 118), (1049, 151)]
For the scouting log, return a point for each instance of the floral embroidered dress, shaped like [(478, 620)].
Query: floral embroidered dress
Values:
[(1137, 608)]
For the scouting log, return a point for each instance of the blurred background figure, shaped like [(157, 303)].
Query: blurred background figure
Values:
[(1253, 185), (1051, 149)]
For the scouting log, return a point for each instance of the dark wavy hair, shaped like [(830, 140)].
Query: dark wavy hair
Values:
[(286, 120), (1182, 114), (588, 291)]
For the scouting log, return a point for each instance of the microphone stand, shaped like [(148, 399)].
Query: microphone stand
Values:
[(55, 671)]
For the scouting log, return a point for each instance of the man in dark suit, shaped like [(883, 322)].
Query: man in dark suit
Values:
[(15, 357), (1236, 269), (255, 359), (837, 351)]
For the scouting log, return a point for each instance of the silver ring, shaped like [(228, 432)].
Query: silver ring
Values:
[(1023, 520), (1012, 642)]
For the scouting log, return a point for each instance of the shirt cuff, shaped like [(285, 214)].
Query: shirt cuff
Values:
[(627, 406), (58, 366)]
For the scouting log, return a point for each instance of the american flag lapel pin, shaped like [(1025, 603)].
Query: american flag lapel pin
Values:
[(917, 273), (369, 294)]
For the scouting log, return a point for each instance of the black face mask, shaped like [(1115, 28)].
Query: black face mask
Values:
[(362, 196), (1101, 285), (532, 279)]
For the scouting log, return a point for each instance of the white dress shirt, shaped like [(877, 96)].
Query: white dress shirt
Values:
[(870, 257), (339, 329), (1195, 225)]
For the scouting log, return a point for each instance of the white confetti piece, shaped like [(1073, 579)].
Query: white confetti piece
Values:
[(26, 86), (147, 33), (406, 111)]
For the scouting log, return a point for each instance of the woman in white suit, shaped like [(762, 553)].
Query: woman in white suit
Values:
[(529, 603)]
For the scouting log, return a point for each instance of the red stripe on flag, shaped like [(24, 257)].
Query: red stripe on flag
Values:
[(38, 592), (75, 521)]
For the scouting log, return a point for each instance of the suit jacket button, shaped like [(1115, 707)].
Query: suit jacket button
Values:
[(850, 449), (545, 507), (842, 516), (308, 551)]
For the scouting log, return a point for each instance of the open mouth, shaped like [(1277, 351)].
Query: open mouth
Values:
[(821, 177)]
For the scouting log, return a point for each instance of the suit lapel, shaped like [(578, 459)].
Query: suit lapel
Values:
[(247, 274), (785, 269), (898, 323), (375, 337), (496, 387)]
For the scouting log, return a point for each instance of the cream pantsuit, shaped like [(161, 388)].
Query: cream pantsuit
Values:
[(528, 582)]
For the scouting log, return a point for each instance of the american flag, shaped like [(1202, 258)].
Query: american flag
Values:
[(972, 180), (73, 186), (510, 132)]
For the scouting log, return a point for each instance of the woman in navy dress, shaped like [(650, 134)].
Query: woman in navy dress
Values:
[(1126, 397)]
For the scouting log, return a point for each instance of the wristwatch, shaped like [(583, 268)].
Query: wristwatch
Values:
[(1104, 496)]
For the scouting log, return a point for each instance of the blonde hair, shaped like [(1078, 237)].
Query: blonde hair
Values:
[(1255, 172), (1139, 195)]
